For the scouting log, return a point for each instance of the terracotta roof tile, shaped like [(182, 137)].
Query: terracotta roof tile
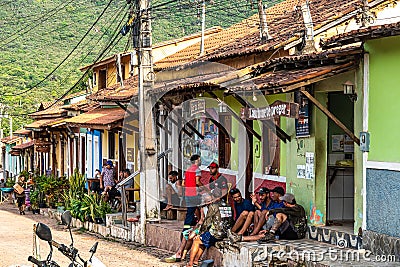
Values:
[(51, 112), (41, 123), (100, 116), (22, 132), (285, 21), (212, 43), (23, 145), (363, 34), (289, 80), (10, 139), (117, 92)]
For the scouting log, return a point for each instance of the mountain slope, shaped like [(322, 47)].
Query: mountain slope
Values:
[(36, 35)]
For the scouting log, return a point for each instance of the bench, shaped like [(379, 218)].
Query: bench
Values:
[(175, 213)]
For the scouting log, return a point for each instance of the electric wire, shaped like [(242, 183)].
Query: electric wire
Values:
[(29, 27), (69, 54)]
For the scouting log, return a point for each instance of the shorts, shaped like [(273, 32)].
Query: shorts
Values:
[(113, 193), (186, 233), (176, 201), (287, 232), (207, 239)]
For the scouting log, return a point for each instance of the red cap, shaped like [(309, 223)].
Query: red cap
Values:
[(213, 165)]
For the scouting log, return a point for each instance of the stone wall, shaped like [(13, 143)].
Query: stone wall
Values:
[(383, 213), (380, 244)]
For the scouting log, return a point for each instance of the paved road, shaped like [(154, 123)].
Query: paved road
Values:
[(16, 243)]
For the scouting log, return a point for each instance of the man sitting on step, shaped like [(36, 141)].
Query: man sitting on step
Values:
[(290, 223), (243, 212), (173, 190)]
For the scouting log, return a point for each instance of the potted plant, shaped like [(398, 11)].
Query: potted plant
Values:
[(35, 201)]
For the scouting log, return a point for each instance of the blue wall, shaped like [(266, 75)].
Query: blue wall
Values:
[(383, 201)]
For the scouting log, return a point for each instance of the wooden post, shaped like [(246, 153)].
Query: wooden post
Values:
[(331, 116)]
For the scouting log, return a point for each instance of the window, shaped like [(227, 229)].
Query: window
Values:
[(94, 78), (271, 150), (224, 142), (111, 145), (102, 78)]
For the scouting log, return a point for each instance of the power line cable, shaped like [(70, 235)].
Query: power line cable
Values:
[(84, 36), (28, 27)]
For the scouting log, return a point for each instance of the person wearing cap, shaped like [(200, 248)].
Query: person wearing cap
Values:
[(261, 208), (107, 179), (212, 230), (217, 180), (290, 222), (243, 212), (277, 192)]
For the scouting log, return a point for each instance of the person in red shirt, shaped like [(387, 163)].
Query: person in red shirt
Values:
[(217, 180), (191, 183)]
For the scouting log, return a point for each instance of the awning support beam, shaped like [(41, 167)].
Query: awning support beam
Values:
[(251, 130), (331, 116), (191, 127), (279, 132)]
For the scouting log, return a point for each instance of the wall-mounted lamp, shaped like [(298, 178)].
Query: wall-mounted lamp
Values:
[(162, 110), (348, 89), (222, 107)]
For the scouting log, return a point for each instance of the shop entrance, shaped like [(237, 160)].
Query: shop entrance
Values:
[(340, 171)]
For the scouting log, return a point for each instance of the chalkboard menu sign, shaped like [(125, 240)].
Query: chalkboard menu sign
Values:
[(303, 126)]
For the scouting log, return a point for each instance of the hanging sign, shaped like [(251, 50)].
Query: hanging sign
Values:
[(276, 109), (197, 106), (303, 121)]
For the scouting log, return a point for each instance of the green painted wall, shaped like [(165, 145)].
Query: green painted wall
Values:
[(310, 193), (384, 94)]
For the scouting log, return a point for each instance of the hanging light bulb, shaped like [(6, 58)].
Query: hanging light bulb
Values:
[(254, 97)]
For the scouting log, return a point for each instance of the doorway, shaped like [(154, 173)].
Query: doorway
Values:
[(340, 171)]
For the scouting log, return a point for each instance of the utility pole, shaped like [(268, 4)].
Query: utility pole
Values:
[(203, 26), (149, 179)]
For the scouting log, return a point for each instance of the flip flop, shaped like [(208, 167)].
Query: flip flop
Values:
[(172, 259)]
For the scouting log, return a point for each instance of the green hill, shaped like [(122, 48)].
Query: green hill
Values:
[(36, 35)]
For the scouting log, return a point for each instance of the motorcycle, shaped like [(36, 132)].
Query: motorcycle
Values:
[(72, 253)]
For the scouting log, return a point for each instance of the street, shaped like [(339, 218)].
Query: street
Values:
[(17, 243)]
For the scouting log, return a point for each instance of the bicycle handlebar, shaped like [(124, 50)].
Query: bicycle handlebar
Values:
[(35, 261)]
